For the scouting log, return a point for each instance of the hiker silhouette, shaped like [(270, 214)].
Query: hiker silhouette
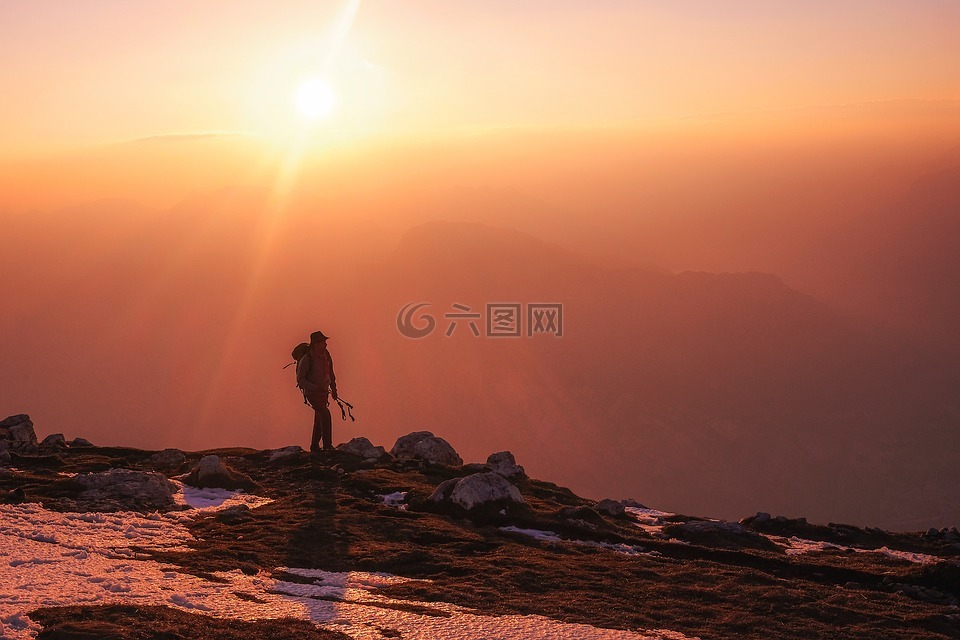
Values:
[(316, 379)]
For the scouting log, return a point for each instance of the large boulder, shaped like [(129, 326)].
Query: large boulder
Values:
[(362, 447), (723, 535), (171, 459), (125, 489), (610, 507), (53, 443), (423, 445), (18, 431), (505, 464), (213, 473), (476, 490), (286, 453)]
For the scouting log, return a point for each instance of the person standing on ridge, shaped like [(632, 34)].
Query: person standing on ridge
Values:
[(316, 379)]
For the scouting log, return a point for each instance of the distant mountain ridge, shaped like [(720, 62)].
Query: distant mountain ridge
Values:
[(736, 391)]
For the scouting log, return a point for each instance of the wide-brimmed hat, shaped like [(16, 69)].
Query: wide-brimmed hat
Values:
[(316, 336)]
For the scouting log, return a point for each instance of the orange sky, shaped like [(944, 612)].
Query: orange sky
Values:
[(100, 71)]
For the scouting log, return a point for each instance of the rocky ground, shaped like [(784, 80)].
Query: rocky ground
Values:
[(489, 538)]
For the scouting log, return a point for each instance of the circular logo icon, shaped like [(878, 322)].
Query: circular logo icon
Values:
[(405, 321)]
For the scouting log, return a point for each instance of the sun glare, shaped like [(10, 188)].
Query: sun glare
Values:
[(315, 99)]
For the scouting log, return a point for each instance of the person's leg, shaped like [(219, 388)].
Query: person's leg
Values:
[(320, 415), (317, 428), (327, 429)]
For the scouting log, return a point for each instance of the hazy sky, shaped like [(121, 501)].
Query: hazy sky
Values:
[(79, 73)]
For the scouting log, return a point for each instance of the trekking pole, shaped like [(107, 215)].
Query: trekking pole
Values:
[(347, 411)]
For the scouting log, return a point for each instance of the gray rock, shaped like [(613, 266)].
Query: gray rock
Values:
[(235, 515), (212, 473), (285, 452), (20, 433), (5, 458), (610, 507), (705, 526), (167, 459), (505, 464), (363, 448), (724, 535), (80, 442), (122, 489), (477, 489), (54, 441), (443, 490), (630, 502), (14, 420), (423, 445)]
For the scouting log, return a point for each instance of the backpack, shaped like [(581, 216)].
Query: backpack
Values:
[(298, 352)]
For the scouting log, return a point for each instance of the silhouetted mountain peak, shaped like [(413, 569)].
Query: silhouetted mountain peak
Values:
[(453, 246)]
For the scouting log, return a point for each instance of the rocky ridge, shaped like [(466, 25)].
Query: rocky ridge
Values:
[(488, 537)]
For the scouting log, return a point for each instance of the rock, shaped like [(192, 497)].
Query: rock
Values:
[(125, 489), (14, 420), (55, 439), (477, 489), (423, 445), (5, 457), (286, 452), (443, 490), (80, 442), (633, 504), (20, 434), (610, 507), (582, 515), (235, 515), (505, 464), (15, 496), (211, 472), (363, 448), (723, 535), (167, 459)]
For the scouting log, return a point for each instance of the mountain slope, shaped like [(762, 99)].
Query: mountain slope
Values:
[(580, 569)]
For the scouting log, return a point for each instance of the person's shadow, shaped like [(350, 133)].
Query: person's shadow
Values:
[(322, 542)]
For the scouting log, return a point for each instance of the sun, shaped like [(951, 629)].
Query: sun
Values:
[(315, 99)]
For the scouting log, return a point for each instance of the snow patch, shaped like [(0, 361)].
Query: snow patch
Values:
[(88, 563), (796, 546), (650, 520), (215, 499), (395, 499)]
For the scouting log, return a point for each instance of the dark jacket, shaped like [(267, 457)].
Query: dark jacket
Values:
[(315, 374)]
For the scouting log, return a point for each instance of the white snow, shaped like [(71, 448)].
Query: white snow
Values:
[(795, 546), (216, 499), (650, 520), (395, 499), (61, 559)]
